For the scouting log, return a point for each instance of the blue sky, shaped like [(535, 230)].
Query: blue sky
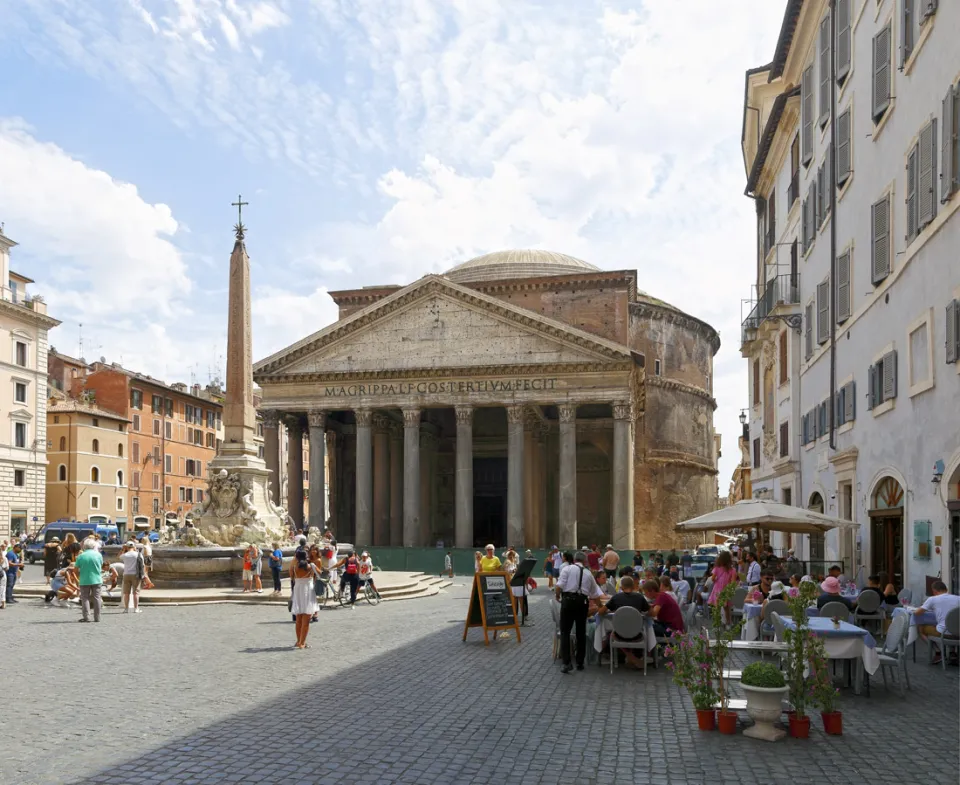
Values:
[(376, 141)]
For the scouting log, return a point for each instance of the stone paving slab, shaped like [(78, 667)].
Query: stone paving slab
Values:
[(390, 694)]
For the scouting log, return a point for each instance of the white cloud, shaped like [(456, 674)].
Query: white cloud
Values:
[(281, 317)]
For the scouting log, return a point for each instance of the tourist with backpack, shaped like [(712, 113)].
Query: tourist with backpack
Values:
[(351, 574)]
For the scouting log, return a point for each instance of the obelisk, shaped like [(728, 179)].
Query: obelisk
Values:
[(238, 465)]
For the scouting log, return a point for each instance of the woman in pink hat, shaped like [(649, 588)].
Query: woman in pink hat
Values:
[(830, 592)]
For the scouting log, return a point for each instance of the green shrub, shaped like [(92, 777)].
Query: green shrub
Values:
[(762, 674)]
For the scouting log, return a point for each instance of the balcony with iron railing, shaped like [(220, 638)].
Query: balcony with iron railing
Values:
[(779, 301)]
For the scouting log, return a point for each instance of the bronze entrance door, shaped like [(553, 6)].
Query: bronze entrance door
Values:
[(886, 545)]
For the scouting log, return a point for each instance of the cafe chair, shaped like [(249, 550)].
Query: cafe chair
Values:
[(949, 639), (835, 610), (628, 623), (555, 613), (868, 609), (767, 630), (893, 655), (905, 596), (739, 597), (689, 617)]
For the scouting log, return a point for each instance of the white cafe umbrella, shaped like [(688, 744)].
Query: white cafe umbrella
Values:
[(764, 515)]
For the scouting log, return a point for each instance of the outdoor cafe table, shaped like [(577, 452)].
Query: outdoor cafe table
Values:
[(846, 642), (751, 620), (927, 617)]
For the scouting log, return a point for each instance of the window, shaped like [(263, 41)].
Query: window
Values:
[(156, 456), (846, 404), (94, 474), (18, 521), (824, 50), (953, 331), (20, 393), (19, 478), (822, 422), (197, 416), (950, 157), (135, 452), (784, 439), (156, 506), (156, 482), (793, 191), (190, 435), (769, 229), (880, 239), (843, 40), (306, 475), (136, 402), (806, 116), (823, 312), (210, 440), (20, 354), (120, 450), (168, 494), (56, 419), (786, 497), (95, 446), (881, 73), (63, 444), (183, 494), (19, 434), (756, 381), (168, 464), (120, 427), (844, 134), (784, 367), (156, 404), (199, 496), (811, 215), (843, 287), (136, 423), (95, 423), (198, 466), (188, 412), (198, 437), (156, 427), (135, 483), (922, 181), (168, 429), (920, 356), (120, 479), (882, 379), (190, 495), (94, 502), (808, 331), (135, 505), (913, 14), (169, 407), (120, 504), (260, 451), (756, 453), (211, 418), (62, 473)]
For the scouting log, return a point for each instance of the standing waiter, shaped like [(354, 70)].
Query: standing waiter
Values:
[(574, 589)]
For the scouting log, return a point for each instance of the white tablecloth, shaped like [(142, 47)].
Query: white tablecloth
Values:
[(751, 622), (605, 627), (925, 618)]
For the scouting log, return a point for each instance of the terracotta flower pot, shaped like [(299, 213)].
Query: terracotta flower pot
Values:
[(832, 722), (706, 719), (799, 727), (727, 722)]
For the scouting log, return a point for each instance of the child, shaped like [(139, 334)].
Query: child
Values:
[(64, 585)]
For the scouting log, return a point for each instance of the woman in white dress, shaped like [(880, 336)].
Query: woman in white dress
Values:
[(304, 596)]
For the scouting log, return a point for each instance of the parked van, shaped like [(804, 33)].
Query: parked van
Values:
[(60, 529)]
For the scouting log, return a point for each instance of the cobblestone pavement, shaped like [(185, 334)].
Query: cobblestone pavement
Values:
[(390, 694)]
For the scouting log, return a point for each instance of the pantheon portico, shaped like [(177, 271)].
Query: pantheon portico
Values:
[(501, 401)]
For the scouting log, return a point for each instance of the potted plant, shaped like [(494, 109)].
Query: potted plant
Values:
[(764, 686), (799, 641), (691, 660), (824, 693), (723, 635)]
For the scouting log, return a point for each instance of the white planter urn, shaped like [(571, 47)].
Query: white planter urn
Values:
[(764, 705)]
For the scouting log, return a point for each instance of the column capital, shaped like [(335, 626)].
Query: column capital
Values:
[(515, 414), (622, 410), (271, 418), (317, 418), (568, 412), (428, 439), (411, 418), (396, 429), (464, 415), (381, 422), (293, 423), (364, 417)]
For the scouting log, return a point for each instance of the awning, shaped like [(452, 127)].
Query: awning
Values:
[(766, 516)]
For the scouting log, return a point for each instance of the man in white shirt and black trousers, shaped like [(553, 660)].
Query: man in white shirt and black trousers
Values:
[(574, 589)]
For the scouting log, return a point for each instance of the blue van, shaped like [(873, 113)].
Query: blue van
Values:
[(60, 529)]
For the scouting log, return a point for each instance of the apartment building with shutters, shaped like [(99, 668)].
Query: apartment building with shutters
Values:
[(851, 151)]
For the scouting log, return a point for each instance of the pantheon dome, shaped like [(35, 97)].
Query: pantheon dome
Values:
[(517, 263)]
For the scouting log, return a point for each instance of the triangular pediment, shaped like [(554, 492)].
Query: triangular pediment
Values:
[(433, 324)]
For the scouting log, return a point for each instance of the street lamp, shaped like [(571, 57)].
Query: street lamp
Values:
[(743, 416)]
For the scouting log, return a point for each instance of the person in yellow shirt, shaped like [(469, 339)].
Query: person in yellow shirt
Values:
[(489, 562)]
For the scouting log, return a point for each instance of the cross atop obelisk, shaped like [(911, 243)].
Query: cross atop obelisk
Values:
[(239, 204)]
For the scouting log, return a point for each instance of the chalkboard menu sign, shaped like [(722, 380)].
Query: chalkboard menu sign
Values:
[(491, 605)]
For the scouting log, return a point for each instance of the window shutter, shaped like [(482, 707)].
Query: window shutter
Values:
[(756, 382), (820, 191), (804, 224), (814, 222), (808, 335), (824, 70), (772, 220), (881, 72), (880, 240), (823, 418), (843, 147), (871, 387), (784, 439), (850, 402), (953, 331), (843, 287), (949, 157), (911, 200), (906, 30), (838, 408), (806, 109), (889, 375), (843, 39), (823, 311), (927, 175), (783, 358)]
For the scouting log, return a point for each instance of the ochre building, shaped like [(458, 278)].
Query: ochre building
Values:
[(523, 398)]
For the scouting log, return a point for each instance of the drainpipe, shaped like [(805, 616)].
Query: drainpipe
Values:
[(833, 223)]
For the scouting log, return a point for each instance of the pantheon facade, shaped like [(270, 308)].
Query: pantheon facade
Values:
[(523, 397)]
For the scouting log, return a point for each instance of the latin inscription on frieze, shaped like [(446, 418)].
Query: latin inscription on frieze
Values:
[(458, 386)]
